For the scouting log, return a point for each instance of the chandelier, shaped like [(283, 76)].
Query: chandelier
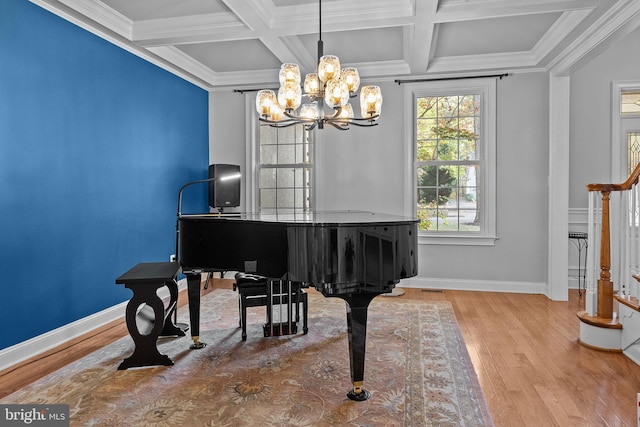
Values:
[(329, 85)]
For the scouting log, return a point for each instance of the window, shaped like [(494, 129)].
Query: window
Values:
[(633, 151), (285, 168), (630, 126), (454, 161), (630, 131), (630, 103)]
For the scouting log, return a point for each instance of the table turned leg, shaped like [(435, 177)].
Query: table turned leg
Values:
[(145, 352)]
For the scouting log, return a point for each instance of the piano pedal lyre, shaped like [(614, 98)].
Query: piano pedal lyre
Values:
[(285, 295), (279, 329)]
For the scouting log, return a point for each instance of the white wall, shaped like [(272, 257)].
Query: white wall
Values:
[(590, 142), (226, 127), (364, 168), (590, 148), (518, 261)]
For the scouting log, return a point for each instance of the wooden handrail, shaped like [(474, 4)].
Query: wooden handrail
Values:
[(630, 182)]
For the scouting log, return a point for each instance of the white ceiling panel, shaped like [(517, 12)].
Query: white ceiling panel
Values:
[(230, 56), (380, 44), (493, 35), (156, 9), (241, 42)]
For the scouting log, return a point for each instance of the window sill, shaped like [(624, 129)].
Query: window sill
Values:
[(462, 240)]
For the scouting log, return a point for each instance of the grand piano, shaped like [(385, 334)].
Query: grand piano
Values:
[(351, 255)]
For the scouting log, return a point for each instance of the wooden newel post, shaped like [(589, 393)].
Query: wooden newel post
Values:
[(605, 295), (605, 285)]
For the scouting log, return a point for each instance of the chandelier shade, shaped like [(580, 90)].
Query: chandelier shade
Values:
[(309, 111), (370, 101), (329, 68), (265, 102), (351, 77), (311, 84), (289, 96), (289, 73), (336, 93), (328, 85), (346, 112)]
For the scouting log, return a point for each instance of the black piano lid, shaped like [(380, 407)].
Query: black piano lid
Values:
[(299, 217)]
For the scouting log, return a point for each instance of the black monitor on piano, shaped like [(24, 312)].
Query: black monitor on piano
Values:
[(224, 193)]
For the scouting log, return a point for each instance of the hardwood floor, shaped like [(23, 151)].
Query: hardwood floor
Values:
[(532, 370)]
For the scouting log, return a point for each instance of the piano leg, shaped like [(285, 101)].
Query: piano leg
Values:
[(357, 306), (193, 293)]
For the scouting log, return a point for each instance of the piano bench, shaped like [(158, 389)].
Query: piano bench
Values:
[(146, 315), (257, 291)]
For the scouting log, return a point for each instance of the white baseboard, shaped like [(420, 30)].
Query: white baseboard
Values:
[(474, 285), (37, 345), (573, 283), (20, 352), (633, 353), (578, 219)]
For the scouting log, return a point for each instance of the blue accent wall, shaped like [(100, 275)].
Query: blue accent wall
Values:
[(94, 144)]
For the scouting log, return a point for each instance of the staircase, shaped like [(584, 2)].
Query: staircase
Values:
[(629, 314), (611, 319)]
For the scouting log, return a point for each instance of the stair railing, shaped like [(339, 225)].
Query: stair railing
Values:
[(613, 229)]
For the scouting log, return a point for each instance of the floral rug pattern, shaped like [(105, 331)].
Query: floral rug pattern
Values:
[(417, 370)]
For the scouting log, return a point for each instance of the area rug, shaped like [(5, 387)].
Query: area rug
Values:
[(417, 370)]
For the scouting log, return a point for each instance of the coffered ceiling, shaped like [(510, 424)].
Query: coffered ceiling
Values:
[(241, 43)]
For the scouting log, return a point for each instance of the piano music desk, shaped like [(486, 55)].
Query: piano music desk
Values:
[(144, 280)]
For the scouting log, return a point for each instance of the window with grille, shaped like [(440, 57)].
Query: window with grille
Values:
[(628, 135), (633, 151), (448, 162), (630, 103), (454, 160), (285, 168)]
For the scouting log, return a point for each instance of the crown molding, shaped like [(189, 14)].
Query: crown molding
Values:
[(97, 12), (174, 55), (382, 68), (618, 21), (154, 40), (564, 25), (300, 53), (65, 12), (499, 61), (461, 10), (188, 29)]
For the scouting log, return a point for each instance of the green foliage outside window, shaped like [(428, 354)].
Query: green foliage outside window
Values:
[(447, 144), (427, 212)]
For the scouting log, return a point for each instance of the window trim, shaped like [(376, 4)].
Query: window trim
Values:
[(486, 88), (252, 128), (618, 164)]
